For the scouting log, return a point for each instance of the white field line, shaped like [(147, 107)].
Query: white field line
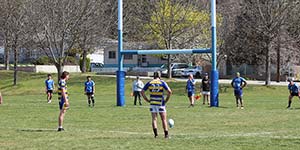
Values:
[(193, 136)]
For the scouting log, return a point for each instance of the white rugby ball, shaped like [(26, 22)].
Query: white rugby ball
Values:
[(171, 123)]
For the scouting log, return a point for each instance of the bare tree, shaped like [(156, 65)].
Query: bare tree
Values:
[(96, 24), (57, 25), (261, 21), (15, 29)]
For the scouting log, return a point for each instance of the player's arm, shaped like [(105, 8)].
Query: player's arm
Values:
[(94, 89), (166, 87), (169, 94), (245, 84), (232, 84), (63, 94), (144, 96)]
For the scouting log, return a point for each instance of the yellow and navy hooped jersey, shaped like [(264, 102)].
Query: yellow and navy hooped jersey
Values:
[(156, 88), (62, 84)]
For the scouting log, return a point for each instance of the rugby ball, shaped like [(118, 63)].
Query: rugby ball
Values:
[(171, 123)]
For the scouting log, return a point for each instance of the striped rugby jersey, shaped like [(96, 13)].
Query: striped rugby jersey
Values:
[(156, 88), (62, 84)]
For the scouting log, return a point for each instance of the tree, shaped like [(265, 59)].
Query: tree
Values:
[(56, 25), (177, 24), (260, 22), (15, 29), (97, 23)]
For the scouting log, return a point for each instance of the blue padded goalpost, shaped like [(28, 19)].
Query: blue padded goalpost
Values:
[(214, 98)]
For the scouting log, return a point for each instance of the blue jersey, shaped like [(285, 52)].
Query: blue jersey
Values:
[(293, 88), (237, 83), (190, 85), (156, 88), (89, 86), (49, 84)]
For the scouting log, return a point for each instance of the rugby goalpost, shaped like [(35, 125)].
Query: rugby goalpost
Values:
[(214, 97)]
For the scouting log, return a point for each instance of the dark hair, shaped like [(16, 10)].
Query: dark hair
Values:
[(64, 74), (156, 75), (49, 75), (88, 77), (137, 77)]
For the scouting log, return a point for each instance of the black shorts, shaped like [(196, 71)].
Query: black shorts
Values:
[(294, 94), (49, 91), (89, 93)]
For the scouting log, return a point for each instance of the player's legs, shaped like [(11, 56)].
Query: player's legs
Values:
[(208, 98), (1, 100), (154, 123), (290, 101), (135, 97), (139, 96), (61, 119), (163, 116), (61, 115), (241, 102), (191, 98), (93, 99), (89, 98), (204, 99)]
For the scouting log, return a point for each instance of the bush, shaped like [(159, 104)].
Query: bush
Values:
[(43, 61)]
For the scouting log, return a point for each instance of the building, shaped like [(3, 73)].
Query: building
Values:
[(111, 55)]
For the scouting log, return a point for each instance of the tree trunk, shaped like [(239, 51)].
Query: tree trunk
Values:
[(59, 68), (83, 67), (268, 64), (15, 64), (169, 67), (6, 57), (278, 59)]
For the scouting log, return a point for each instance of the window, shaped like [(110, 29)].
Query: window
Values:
[(128, 56), (112, 54)]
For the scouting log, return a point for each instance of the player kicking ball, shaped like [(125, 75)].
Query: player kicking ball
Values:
[(294, 91), (157, 102), (63, 99), (89, 89), (238, 83)]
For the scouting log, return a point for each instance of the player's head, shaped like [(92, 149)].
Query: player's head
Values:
[(89, 78), (238, 74), (49, 76), (156, 75), (137, 77), (191, 76), (206, 75), (65, 75), (290, 81)]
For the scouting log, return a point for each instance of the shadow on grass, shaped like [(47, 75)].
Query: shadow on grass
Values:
[(37, 130)]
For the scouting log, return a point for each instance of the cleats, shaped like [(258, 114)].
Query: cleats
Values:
[(60, 129), (49, 101)]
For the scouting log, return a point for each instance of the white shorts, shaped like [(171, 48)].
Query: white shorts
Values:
[(205, 93), (157, 109)]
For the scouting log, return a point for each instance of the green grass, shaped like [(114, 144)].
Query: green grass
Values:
[(28, 122)]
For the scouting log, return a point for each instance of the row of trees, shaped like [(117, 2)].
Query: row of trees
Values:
[(249, 31), (55, 27)]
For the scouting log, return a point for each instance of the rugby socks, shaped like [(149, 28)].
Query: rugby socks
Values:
[(289, 104), (155, 132), (166, 134), (89, 101), (93, 101)]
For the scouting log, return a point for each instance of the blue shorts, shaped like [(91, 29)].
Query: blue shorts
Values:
[(191, 93), (238, 92), (61, 104)]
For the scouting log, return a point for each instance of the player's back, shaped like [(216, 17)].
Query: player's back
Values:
[(156, 88)]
